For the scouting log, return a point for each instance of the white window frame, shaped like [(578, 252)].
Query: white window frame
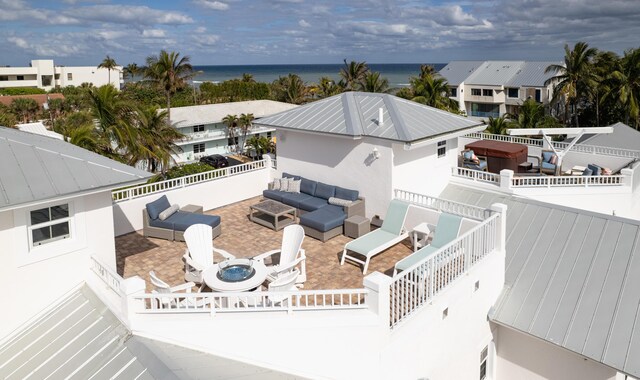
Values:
[(479, 90), (484, 360), (441, 145), (198, 128), (199, 145), (31, 227)]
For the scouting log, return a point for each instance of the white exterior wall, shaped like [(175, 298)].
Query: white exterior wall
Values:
[(342, 162), (89, 74), (520, 356), (421, 171), (127, 215), (33, 279)]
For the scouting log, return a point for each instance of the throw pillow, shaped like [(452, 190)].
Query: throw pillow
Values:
[(587, 172), (339, 201), (294, 186), (284, 184), (168, 212), (546, 156), (276, 184), (468, 154), (553, 160)]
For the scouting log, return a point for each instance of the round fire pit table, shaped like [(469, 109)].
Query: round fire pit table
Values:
[(235, 275)]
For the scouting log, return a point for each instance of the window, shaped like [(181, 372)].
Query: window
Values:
[(49, 224), (46, 80), (198, 128), (486, 92), (442, 148), (198, 148), (483, 363), (20, 77), (232, 141), (476, 92), (57, 76), (69, 76), (454, 92), (538, 95), (269, 135), (513, 93), (4, 78)]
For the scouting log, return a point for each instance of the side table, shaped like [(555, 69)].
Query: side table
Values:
[(196, 209), (356, 226), (421, 234)]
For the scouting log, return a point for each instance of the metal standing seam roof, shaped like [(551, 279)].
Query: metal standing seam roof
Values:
[(456, 72), (623, 137), (355, 114), (531, 74), (36, 168), (494, 73), (39, 129), (214, 113), (572, 277)]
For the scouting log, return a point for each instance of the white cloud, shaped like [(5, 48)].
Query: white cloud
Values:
[(153, 33), (304, 24), (206, 39), (128, 14), (212, 4), (19, 42), (200, 29)]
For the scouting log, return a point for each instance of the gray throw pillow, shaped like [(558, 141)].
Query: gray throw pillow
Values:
[(339, 201), (294, 186), (168, 212)]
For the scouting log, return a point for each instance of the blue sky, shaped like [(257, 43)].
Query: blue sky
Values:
[(227, 32)]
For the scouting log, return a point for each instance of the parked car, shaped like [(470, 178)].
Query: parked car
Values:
[(215, 160)]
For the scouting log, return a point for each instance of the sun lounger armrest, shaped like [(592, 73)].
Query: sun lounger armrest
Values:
[(355, 208)]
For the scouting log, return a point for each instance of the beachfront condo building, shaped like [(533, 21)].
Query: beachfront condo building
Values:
[(206, 133), (495, 88), (44, 74)]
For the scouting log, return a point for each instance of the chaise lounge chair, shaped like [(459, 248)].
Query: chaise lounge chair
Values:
[(389, 234), (447, 230)]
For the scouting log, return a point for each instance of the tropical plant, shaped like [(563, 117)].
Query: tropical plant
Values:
[(232, 124), (11, 91), (7, 117), (529, 115), (181, 171), (169, 72), (573, 79), (625, 86), (290, 89), (353, 73), (325, 88), (372, 82), (85, 137), (261, 145), (24, 108), (155, 139), (248, 78), (109, 64), (233, 91), (432, 91), (245, 122), (111, 113), (427, 70), (131, 70), (497, 125)]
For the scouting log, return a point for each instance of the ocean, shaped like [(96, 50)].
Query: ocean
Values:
[(397, 74)]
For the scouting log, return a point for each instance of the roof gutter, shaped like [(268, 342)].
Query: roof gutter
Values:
[(431, 140)]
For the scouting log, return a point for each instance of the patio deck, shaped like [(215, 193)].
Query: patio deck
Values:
[(137, 255)]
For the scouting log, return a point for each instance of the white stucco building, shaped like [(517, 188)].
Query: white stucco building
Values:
[(206, 133), (44, 74)]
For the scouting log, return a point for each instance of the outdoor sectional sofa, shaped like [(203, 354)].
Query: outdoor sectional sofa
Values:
[(173, 227), (320, 219)]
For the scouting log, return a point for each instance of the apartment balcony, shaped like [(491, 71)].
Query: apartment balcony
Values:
[(196, 137), (485, 114)]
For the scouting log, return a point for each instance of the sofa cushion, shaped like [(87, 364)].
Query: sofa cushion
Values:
[(324, 219), (181, 220), (276, 195), (308, 186), (312, 203), (287, 175), (339, 201), (156, 207), (294, 199), (168, 212), (594, 168), (587, 172), (325, 191), (546, 156), (342, 193), (548, 166), (468, 154)]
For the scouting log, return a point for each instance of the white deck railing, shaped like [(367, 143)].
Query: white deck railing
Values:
[(476, 175), (176, 183), (442, 205), (212, 303), (418, 285), (506, 138), (568, 181), (112, 279)]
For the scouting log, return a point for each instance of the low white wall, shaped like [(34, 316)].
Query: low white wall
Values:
[(127, 215), (33, 280), (520, 356)]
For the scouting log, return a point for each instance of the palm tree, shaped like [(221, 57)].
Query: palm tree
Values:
[(131, 70), (530, 114), (109, 64), (85, 137), (7, 117), (245, 122), (574, 77), (353, 73), (169, 72), (432, 91), (290, 89), (155, 139), (325, 88), (232, 123), (497, 125), (111, 114), (427, 70), (625, 87), (372, 82), (25, 108)]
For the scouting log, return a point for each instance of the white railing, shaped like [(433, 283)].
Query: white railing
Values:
[(212, 303), (112, 279), (176, 183), (506, 138), (477, 175), (421, 283), (442, 205), (568, 181)]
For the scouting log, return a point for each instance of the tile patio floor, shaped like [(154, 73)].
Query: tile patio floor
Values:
[(137, 255)]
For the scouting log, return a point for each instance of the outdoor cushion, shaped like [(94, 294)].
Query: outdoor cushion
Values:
[(276, 195), (339, 201), (594, 168), (479, 166), (293, 199), (325, 191), (394, 220), (446, 230), (371, 241), (587, 172), (415, 257), (168, 212), (342, 193), (311, 203), (323, 219), (308, 186), (546, 156), (287, 175), (548, 166), (294, 186), (156, 207), (183, 220), (468, 154)]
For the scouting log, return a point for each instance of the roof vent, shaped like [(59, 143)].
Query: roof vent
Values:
[(380, 116)]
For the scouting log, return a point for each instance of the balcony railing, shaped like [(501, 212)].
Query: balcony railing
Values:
[(443, 205), (420, 284), (112, 279), (485, 114), (157, 187), (477, 175)]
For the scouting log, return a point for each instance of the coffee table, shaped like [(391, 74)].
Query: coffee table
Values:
[(210, 277), (272, 214)]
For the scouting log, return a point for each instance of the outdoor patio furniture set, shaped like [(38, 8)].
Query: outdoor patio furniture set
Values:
[(162, 220)]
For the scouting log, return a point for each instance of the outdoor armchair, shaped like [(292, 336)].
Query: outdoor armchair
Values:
[(291, 255), (159, 286), (199, 253)]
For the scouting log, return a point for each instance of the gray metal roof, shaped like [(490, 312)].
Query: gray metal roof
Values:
[(572, 277), (36, 168), (531, 74), (494, 73), (455, 72), (355, 114), (623, 137)]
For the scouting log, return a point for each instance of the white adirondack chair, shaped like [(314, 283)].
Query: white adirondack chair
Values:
[(159, 286), (199, 253), (291, 255), (284, 283)]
